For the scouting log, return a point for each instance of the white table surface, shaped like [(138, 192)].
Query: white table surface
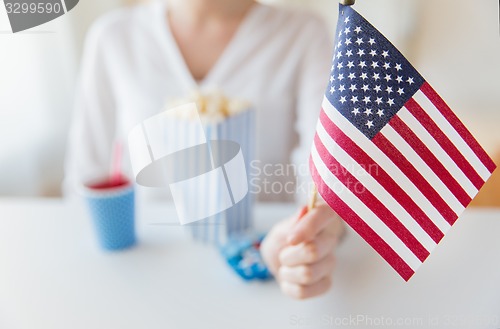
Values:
[(53, 275)]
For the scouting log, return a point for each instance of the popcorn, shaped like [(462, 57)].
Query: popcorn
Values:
[(213, 106)]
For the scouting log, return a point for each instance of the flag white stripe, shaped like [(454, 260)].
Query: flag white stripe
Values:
[(452, 134), (366, 178), (438, 151), (409, 153), (364, 212), (387, 165)]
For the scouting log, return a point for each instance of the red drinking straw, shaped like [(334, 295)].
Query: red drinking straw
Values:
[(116, 168)]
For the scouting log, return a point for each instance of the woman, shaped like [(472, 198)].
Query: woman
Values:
[(138, 58)]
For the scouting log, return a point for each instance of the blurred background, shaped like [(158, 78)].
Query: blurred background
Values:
[(455, 44)]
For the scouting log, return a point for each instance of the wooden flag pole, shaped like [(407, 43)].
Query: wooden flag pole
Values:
[(312, 198)]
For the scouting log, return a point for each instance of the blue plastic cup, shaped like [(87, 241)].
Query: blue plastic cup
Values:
[(112, 209)]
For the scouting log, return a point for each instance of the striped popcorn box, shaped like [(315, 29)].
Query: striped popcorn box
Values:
[(222, 120)]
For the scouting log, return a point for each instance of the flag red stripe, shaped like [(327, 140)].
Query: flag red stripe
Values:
[(442, 107), (381, 177), (430, 159), (358, 225), (425, 120), (409, 170), (371, 201)]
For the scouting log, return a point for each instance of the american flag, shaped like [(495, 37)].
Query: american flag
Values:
[(389, 156)]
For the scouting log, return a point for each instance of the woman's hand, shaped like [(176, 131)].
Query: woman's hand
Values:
[(300, 252)]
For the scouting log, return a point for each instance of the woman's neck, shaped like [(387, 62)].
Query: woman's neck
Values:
[(204, 28), (194, 12)]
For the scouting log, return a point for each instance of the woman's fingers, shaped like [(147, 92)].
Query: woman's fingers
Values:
[(273, 243), (299, 252), (308, 252), (311, 224), (306, 291), (308, 274)]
